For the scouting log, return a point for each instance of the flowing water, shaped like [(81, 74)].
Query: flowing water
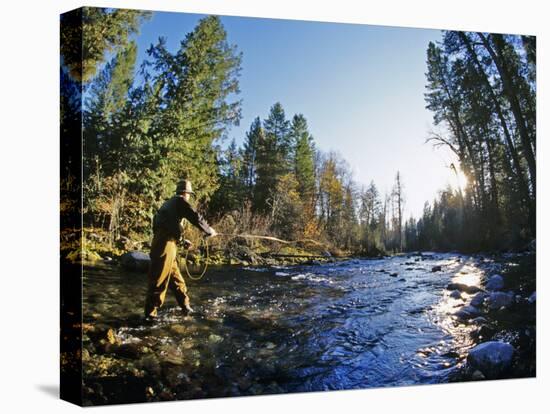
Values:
[(343, 325)]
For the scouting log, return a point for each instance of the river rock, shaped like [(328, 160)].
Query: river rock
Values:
[(492, 358), (498, 300), (104, 335), (468, 312), (463, 288), (480, 320), (478, 299), (394, 274), (436, 268), (495, 282), (83, 255), (130, 350), (455, 294), (214, 339), (135, 261), (477, 375), (533, 298)]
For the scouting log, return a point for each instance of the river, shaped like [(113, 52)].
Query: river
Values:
[(342, 325)]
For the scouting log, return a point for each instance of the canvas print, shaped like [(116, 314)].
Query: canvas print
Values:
[(256, 206)]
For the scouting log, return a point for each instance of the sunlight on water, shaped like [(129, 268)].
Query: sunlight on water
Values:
[(471, 279), (443, 314)]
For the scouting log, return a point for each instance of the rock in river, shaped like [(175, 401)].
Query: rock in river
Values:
[(135, 261), (455, 294), (491, 358), (495, 282), (468, 312), (478, 299), (478, 375), (480, 320), (498, 300), (436, 269)]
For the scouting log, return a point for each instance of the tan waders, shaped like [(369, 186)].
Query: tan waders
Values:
[(164, 272)]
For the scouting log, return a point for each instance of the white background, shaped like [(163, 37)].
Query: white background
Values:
[(29, 151)]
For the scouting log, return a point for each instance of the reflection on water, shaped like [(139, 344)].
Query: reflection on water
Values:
[(352, 324)]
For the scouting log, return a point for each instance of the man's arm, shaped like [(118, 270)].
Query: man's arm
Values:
[(196, 218)]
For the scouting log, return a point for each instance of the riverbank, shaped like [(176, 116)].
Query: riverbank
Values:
[(503, 317), (132, 253)]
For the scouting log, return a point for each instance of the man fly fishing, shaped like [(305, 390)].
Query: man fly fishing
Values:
[(168, 226)]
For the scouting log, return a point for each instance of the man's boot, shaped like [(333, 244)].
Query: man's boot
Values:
[(187, 309), (151, 315)]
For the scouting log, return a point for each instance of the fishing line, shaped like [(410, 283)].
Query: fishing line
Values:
[(204, 242), (203, 272)]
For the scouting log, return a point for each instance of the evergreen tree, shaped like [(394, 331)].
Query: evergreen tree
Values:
[(304, 151), (195, 86), (369, 214), (105, 113), (231, 192), (254, 136), (480, 86), (92, 33), (272, 157)]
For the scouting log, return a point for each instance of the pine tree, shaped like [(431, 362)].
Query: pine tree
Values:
[(92, 33), (304, 151), (272, 157), (254, 136), (369, 212), (196, 86), (105, 112)]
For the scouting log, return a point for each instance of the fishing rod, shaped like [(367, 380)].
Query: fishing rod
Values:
[(235, 236)]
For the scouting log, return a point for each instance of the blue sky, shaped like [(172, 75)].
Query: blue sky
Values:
[(360, 87)]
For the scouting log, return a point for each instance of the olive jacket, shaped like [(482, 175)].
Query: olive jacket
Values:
[(168, 219)]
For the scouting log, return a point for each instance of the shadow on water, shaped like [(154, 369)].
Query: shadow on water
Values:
[(353, 324)]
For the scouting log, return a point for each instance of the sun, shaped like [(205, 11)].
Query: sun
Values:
[(462, 180)]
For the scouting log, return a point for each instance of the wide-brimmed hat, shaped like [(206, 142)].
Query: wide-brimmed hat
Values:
[(184, 186)]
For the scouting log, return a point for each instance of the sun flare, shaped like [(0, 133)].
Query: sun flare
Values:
[(462, 180)]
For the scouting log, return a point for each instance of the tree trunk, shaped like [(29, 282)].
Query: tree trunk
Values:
[(498, 109)]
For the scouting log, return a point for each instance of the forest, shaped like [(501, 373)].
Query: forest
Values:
[(146, 127)]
